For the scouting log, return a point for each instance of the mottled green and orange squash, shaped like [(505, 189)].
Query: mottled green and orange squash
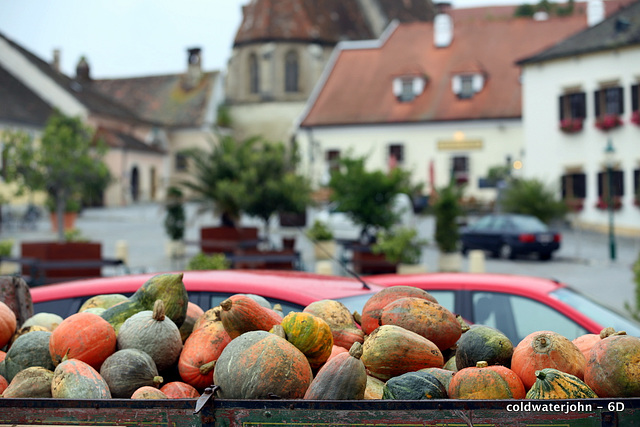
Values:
[(102, 301), (127, 370), (259, 365), (553, 384), (443, 375), (28, 350), (32, 382), (392, 350), (424, 317), (372, 310), (613, 369), (200, 353), (486, 382), (546, 349), (241, 313), (148, 392), (75, 379), (418, 385), (342, 378), (179, 390), (310, 334), (483, 343), (211, 315), (343, 326)]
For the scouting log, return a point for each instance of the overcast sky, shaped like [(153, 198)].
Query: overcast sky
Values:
[(127, 38)]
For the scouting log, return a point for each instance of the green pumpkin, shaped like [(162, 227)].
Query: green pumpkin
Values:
[(554, 384), (418, 385), (30, 349), (167, 287), (483, 343)]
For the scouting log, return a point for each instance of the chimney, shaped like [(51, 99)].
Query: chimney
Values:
[(55, 62), (194, 68), (595, 12), (82, 70), (442, 25)]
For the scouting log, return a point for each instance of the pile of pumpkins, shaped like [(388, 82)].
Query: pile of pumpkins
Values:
[(404, 345)]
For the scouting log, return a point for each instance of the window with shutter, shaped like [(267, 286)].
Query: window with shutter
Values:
[(291, 72), (254, 74), (572, 111), (609, 106)]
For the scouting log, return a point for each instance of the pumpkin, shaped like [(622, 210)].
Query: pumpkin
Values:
[(613, 369), (482, 342), (102, 301), (259, 299), (486, 382), (200, 352), (3, 384), (28, 350), (31, 382), (26, 330), (8, 323), (75, 379), (310, 334), (153, 333), (450, 364), (391, 351), (553, 384), (241, 313), (546, 349), (418, 385), (50, 321), (148, 392), (167, 286), (424, 317), (211, 315), (127, 370), (370, 317), (374, 389), (443, 375), (258, 364), (179, 390), (344, 329), (194, 312), (587, 341), (342, 378), (83, 336), (336, 350)]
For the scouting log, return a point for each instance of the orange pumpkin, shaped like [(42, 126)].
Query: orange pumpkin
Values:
[(343, 326), (211, 315), (586, 341), (310, 334), (424, 317), (148, 392), (370, 318), (8, 323), (194, 312), (486, 382), (613, 369), (200, 352), (75, 379), (336, 350), (391, 351), (83, 336), (342, 378), (546, 349), (179, 390), (3, 384), (241, 313)]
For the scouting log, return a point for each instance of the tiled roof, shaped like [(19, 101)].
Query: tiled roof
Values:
[(94, 101), (162, 99), (115, 139), (358, 89), (326, 21), (618, 30), (19, 104)]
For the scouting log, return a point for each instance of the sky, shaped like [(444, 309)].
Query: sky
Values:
[(129, 38)]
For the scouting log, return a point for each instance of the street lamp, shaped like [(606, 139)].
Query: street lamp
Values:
[(609, 156)]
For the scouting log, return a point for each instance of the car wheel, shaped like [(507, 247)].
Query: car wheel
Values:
[(545, 256), (506, 252)]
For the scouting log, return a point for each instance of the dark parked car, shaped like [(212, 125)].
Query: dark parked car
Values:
[(510, 235)]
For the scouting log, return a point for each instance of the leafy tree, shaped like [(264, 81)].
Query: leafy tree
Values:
[(532, 197), (174, 220), (634, 309), (366, 196), (66, 163), (446, 209)]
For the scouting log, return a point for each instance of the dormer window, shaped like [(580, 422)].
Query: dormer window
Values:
[(466, 85), (407, 88)]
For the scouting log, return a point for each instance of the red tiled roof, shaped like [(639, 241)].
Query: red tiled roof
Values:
[(115, 139), (358, 89)]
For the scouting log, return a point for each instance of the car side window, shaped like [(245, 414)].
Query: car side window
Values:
[(518, 316), (483, 223), (446, 299)]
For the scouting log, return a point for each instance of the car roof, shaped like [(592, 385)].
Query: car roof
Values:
[(294, 286)]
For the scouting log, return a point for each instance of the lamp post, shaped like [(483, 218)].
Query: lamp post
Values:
[(609, 154)]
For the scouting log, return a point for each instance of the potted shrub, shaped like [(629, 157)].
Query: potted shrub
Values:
[(446, 209), (174, 223), (71, 210), (208, 262), (6, 246), (322, 238), (401, 246)]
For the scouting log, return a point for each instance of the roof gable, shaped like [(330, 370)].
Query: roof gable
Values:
[(19, 104)]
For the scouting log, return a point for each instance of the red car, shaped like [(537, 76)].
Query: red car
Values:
[(292, 290), (516, 305)]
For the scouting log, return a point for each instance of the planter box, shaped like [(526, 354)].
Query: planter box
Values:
[(56, 251), (227, 239), (69, 221), (411, 268), (325, 250), (450, 262), (366, 262)]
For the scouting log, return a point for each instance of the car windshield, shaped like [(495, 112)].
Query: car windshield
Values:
[(601, 314), (356, 302), (528, 223)]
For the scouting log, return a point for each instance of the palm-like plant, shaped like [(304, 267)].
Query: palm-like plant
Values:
[(532, 197)]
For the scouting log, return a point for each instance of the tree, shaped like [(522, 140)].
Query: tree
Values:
[(66, 163), (366, 196), (446, 210), (634, 308), (532, 197)]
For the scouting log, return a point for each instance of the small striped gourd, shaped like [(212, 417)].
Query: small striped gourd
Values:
[(554, 384)]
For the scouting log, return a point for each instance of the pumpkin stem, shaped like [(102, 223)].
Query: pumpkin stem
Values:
[(158, 311), (541, 374), (226, 304), (542, 344), (356, 350), (607, 332), (207, 367), (464, 325), (481, 364), (357, 317), (279, 331), (157, 380)]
